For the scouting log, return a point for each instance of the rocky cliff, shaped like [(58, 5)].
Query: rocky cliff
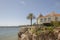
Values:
[(39, 33)]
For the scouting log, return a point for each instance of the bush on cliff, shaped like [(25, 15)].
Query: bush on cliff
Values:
[(38, 30), (55, 23)]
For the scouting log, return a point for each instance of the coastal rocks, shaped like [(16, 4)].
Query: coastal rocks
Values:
[(59, 35), (51, 36), (22, 31), (26, 34), (34, 37)]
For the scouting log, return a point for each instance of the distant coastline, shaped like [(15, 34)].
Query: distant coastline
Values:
[(9, 26)]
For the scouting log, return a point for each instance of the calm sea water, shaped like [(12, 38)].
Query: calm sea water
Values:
[(8, 33)]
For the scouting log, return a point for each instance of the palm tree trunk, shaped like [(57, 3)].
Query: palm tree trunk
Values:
[(31, 22)]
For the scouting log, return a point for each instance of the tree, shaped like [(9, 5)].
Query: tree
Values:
[(30, 17)]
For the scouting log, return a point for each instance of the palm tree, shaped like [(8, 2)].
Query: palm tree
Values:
[(31, 16)]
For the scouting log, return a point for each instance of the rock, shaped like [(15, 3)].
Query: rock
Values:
[(34, 37), (51, 36), (23, 29), (26, 34), (19, 34), (24, 37), (59, 35)]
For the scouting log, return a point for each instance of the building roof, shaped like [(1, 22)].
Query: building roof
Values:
[(53, 14), (50, 14)]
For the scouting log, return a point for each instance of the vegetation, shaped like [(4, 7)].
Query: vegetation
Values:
[(55, 23), (38, 30), (30, 17), (49, 26)]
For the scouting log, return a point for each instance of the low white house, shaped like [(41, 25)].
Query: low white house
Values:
[(48, 18)]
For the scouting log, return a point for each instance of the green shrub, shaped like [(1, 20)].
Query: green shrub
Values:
[(55, 23), (49, 28), (41, 30)]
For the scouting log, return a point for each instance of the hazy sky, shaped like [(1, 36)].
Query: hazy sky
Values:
[(14, 12)]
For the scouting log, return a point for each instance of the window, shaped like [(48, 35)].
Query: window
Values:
[(44, 19), (41, 20), (56, 18), (49, 19)]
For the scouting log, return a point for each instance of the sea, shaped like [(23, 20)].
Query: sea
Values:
[(9, 33)]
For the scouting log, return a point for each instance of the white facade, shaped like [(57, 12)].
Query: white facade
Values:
[(48, 18)]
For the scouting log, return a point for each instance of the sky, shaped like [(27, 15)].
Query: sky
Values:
[(14, 12)]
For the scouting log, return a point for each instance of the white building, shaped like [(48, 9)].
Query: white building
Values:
[(48, 18)]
